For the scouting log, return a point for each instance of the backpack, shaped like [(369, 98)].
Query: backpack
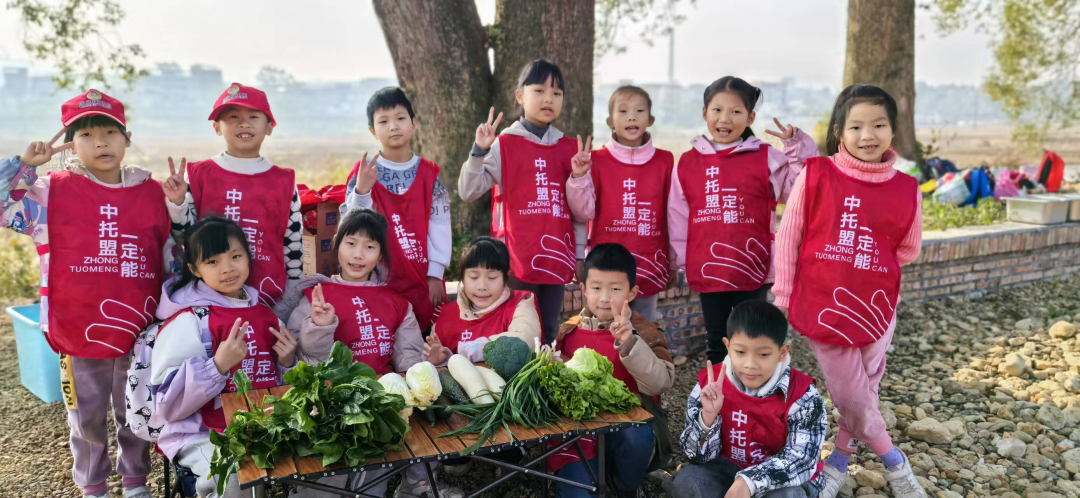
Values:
[(1052, 171), (139, 392)]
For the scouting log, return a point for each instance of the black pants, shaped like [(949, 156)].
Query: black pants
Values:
[(716, 307), (549, 298)]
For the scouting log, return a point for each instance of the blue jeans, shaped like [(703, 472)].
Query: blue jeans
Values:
[(628, 454)]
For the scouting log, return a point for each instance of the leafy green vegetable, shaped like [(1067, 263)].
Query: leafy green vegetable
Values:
[(452, 389), (583, 386), (507, 355), (336, 410)]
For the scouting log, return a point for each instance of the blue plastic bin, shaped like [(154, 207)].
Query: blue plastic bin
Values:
[(39, 365)]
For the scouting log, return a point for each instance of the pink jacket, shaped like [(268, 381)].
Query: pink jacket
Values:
[(784, 167), (786, 250)]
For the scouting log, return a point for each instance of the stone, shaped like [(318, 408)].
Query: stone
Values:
[(930, 431), (1072, 416), (1072, 455), (944, 493), (679, 360), (869, 479), (889, 416), (1062, 330), (1025, 324), (956, 427), (1013, 365), (1010, 447), (1050, 416)]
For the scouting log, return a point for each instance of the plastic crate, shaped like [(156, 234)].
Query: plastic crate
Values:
[(39, 365)]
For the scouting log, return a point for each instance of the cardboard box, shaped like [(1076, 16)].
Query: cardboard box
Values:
[(319, 248)]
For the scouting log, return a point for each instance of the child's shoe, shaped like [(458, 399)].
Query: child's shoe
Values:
[(409, 488), (903, 482), (459, 469), (139, 492), (834, 479)]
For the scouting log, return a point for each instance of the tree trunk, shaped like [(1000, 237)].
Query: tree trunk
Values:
[(440, 55), (881, 52), (562, 31)]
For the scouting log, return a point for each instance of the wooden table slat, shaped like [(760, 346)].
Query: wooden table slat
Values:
[(456, 422), (418, 440), (396, 456), (447, 445)]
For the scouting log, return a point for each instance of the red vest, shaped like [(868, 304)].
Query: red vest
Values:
[(847, 280), (755, 429), (728, 239), (535, 216), (105, 261), (260, 364), (631, 209), (261, 204), (452, 329), (407, 215), (368, 318)]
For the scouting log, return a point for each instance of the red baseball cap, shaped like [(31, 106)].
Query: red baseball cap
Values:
[(244, 96), (90, 103)]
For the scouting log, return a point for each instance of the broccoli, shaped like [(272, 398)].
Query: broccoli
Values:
[(507, 355)]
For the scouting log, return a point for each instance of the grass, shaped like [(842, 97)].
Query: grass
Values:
[(942, 216), (18, 267)]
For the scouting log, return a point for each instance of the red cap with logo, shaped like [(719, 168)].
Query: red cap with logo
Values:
[(91, 103), (244, 96)]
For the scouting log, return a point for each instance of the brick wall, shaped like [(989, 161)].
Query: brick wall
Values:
[(966, 261)]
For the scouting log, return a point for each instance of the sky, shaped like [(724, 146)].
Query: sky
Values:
[(340, 40)]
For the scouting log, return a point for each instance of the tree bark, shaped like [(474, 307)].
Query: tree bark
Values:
[(881, 52), (440, 55)]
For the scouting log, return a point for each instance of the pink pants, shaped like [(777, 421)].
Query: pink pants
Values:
[(853, 376)]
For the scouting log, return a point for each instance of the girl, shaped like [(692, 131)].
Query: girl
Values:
[(241, 185), (100, 224), (721, 208), (214, 325), (528, 165), (631, 211), (850, 224), (486, 308)]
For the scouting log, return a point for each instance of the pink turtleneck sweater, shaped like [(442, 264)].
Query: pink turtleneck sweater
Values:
[(789, 238)]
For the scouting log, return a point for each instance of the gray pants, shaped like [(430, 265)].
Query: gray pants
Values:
[(713, 478), (549, 298), (646, 307), (196, 456)]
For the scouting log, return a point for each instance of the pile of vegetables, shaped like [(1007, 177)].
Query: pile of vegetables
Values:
[(584, 386), (336, 410)]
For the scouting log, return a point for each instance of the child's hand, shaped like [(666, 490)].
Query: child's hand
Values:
[(322, 312), (233, 350), (485, 133), (621, 328), (579, 272), (712, 395), (176, 186), (285, 347), (366, 175), (582, 161), (39, 153), (738, 489), (436, 292), (785, 133), (434, 351), (672, 279)]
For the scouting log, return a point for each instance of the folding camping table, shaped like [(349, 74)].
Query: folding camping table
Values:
[(423, 444)]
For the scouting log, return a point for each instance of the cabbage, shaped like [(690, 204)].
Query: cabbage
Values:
[(394, 384), (423, 381), (590, 364)]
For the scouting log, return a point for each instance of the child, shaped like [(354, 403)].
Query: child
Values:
[(241, 185), (486, 308), (528, 165), (421, 242), (213, 323), (103, 227), (632, 210), (376, 322), (838, 268), (721, 209), (637, 349), (756, 426)]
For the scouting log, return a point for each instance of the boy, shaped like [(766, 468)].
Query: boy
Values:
[(241, 185), (405, 188), (638, 350), (736, 437)]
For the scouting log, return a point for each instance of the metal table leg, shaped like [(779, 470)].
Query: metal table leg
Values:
[(601, 460)]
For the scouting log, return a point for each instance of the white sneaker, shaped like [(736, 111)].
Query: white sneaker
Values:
[(834, 479), (459, 469), (139, 492), (903, 482), (417, 489)]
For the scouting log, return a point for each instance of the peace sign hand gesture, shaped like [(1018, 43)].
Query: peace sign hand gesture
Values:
[(785, 133), (39, 153), (485, 133), (712, 395), (176, 186), (367, 173), (582, 161), (322, 312), (232, 350), (621, 328)]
